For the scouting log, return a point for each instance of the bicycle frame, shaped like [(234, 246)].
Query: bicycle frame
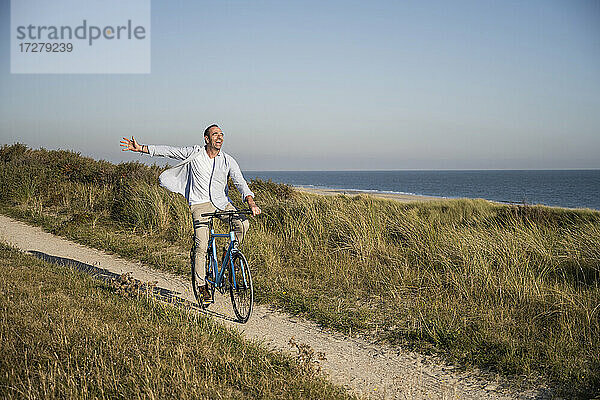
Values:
[(214, 261)]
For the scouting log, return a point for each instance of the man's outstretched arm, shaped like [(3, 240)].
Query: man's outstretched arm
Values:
[(178, 153)]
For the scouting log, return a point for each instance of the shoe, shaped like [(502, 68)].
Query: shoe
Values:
[(205, 294)]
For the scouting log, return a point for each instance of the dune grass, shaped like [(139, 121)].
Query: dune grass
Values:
[(514, 288), (66, 335)]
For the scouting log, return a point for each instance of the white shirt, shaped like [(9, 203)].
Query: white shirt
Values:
[(199, 178)]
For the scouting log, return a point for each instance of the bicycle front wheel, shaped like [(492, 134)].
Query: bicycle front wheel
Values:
[(240, 287)]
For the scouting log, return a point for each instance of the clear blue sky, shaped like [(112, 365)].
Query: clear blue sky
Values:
[(338, 85)]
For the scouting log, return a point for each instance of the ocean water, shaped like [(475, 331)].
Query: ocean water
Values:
[(563, 188)]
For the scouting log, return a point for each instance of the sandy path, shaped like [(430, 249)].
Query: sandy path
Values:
[(375, 371)]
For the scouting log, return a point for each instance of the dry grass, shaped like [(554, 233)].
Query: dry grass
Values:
[(65, 335), (508, 287)]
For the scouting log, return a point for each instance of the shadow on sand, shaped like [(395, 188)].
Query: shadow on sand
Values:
[(105, 275)]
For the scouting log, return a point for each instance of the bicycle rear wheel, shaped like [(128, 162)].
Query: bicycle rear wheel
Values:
[(240, 287)]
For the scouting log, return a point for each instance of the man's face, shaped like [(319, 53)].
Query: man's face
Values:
[(214, 138)]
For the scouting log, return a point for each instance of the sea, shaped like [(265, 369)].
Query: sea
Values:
[(561, 188)]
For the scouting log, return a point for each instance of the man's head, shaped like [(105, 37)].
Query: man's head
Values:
[(213, 137)]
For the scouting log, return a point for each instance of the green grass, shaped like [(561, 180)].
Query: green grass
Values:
[(66, 335), (514, 288)]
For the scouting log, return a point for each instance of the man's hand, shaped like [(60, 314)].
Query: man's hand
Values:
[(255, 209), (132, 145)]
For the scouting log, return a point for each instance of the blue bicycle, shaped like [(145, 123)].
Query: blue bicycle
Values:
[(233, 276)]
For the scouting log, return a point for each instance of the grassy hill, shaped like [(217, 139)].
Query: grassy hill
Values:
[(514, 288)]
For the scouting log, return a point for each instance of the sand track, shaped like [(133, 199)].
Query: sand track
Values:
[(371, 370)]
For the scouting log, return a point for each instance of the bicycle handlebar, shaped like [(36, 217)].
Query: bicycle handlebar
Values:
[(227, 213)]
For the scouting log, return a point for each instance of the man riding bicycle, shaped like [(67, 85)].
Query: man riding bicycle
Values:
[(202, 179)]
